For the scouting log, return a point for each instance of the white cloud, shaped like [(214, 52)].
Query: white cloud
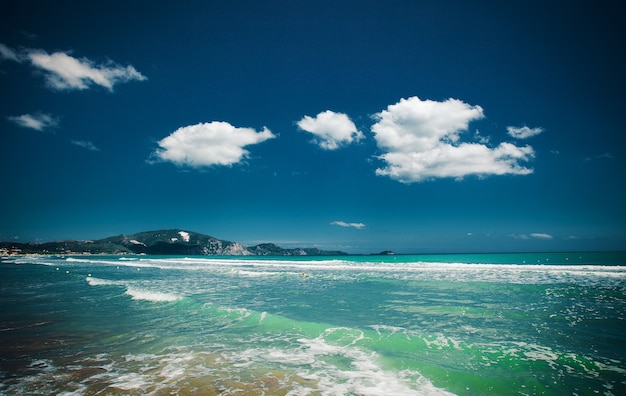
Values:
[(37, 121), (331, 129), (523, 132), (85, 144), (538, 235), (64, 72), (206, 144), (480, 138), (348, 225), (422, 141)]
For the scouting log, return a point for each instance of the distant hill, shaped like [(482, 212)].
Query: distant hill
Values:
[(161, 242)]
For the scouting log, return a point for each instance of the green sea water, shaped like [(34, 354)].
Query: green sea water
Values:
[(500, 324)]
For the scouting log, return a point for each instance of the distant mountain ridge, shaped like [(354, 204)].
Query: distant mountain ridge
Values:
[(162, 242)]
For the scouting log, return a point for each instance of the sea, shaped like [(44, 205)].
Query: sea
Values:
[(462, 324)]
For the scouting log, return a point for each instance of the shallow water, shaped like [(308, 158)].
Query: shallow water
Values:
[(363, 325)]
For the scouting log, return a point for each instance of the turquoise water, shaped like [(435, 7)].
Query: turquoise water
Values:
[(505, 324)]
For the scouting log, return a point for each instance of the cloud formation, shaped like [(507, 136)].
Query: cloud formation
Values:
[(348, 225), (64, 72), (39, 121), (534, 235), (523, 132), (207, 144), (85, 144), (539, 235), (331, 130), (421, 140), (600, 156), (8, 53)]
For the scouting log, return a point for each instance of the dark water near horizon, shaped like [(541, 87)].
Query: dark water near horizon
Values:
[(492, 324)]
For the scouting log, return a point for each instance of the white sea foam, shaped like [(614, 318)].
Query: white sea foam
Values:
[(305, 369), (40, 377), (339, 368), (85, 260), (137, 293), (130, 381), (380, 329), (141, 294), (440, 342), (345, 269), (79, 391), (99, 282), (32, 259), (255, 274), (411, 267), (539, 352), (531, 352)]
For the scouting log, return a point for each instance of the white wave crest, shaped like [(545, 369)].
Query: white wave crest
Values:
[(141, 294), (136, 293), (99, 282), (413, 270)]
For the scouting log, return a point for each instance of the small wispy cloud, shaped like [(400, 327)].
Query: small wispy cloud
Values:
[(600, 156), (538, 235), (85, 144), (480, 138), (348, 225), (332, 130), (207, 144), (523, 132), (39, 121), (8, 53), (65, 72), (534, 235)]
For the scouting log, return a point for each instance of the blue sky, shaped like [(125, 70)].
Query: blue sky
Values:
[(413, 126)]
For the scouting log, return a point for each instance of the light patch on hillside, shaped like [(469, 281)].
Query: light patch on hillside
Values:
[(184, 235)]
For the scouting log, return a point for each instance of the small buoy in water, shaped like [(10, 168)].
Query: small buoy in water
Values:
[(57, 268), (89, 275), (67, 272)]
